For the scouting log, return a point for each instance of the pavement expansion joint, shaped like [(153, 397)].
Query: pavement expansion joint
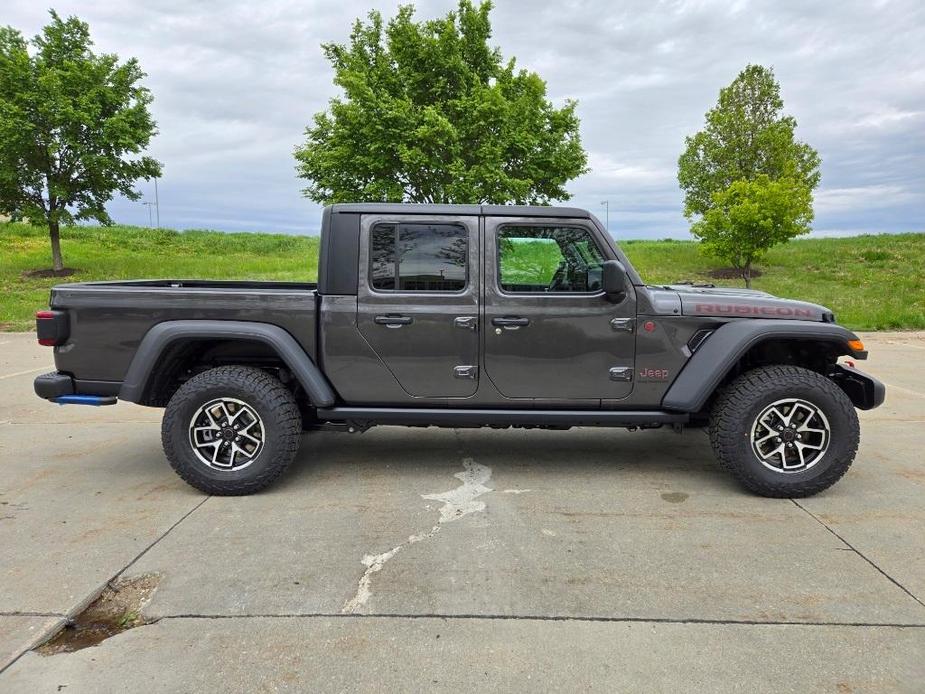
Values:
[(158, 539), (541, 618), (112, 583), (854, 549)]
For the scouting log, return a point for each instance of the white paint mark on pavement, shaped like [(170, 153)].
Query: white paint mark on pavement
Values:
[(516, 491), (373, 564), (901, 343), (890, 386), (461, 501), (27, 371), (457, 503)]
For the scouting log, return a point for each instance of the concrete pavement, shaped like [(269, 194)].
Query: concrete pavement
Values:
[(438, 559)]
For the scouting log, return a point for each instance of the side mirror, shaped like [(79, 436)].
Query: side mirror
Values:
[(614, 280)]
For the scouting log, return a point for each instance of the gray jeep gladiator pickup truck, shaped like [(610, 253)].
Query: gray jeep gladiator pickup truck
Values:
[(462, 316)]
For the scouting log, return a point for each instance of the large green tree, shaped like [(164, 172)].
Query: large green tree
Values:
[(431, 113), (72, 124), (747, 180)]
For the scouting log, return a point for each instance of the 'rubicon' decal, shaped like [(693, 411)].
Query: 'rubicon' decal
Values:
[(752, 310)]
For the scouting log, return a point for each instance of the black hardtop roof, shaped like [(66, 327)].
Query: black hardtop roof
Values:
[(461, 210)]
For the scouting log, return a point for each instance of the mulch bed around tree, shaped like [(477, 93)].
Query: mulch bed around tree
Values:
[(63, 272), (731, 273)]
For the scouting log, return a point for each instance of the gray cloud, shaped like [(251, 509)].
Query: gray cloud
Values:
[(235, 83)]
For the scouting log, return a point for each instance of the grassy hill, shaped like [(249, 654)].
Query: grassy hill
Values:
[(871, 282)]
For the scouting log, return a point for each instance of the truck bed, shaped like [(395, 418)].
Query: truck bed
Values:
[(197, 284), (107, 320)]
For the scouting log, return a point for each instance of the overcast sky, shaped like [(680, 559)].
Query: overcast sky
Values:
[(235, 83)]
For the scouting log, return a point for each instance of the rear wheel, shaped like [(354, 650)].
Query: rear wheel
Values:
[(784, 431), (231, 430)]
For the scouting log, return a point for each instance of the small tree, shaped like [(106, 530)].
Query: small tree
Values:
[(431, 113), (751, 216), (735, 171), (69, 121)]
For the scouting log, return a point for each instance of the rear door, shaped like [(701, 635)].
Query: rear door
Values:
[(418, 300), (550, 331)]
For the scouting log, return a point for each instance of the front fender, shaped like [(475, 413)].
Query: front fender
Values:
[(162, 335), (716, 357)]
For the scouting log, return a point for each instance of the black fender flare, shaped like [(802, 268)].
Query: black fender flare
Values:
[(162, 335), (720, 352)]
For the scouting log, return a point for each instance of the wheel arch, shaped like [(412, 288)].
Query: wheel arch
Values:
[(172, 342), (739, 345)]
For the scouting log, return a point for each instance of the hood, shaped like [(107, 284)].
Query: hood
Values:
[(745, 303)]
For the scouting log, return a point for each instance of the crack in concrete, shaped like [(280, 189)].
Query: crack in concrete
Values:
[(457, 503), (854, 549)]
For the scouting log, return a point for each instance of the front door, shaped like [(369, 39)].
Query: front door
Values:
[(550, 331), (418, 301)]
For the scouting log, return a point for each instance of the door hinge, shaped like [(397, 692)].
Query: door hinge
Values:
[(465, 371), (621, 373), (623, 324)]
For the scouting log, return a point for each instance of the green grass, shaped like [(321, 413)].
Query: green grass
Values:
[(122, 252), (871, 282)]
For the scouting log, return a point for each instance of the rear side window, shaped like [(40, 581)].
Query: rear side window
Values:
[(548, 259), (415, 257)]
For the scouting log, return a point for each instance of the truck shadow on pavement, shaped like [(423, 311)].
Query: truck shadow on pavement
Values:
[(653, 458)]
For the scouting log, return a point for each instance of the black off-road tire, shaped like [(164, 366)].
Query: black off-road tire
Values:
[(741, 402), (276, 407)]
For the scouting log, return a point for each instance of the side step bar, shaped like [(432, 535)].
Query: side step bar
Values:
[(93, 400), (447, 417)]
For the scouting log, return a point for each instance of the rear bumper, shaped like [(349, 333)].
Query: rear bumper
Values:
[(865, 391), (63, 390), (53, 385)]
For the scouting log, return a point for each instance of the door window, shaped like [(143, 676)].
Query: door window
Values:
[(416, 257), (548, 259)]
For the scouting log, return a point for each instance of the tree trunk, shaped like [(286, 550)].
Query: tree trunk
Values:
[(54, 231), (747, 275)]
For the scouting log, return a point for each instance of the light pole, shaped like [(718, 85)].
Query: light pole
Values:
[(606, 204), (157, 204), (148, 205)]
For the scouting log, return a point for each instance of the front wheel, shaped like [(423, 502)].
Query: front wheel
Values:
[(231, 430), (784, 431)]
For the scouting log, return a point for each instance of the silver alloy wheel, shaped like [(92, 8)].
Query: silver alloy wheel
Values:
[(226, 434), (790, 435)]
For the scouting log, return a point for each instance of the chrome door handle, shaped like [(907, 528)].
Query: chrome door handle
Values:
[(465, 371), (465, 322), (511, 322), (621, 373), (393, 321), (622, 324)]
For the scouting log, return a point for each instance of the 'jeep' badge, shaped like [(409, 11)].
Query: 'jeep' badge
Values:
[(647, 374)]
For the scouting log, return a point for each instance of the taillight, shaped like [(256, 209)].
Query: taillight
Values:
[(51, 327)]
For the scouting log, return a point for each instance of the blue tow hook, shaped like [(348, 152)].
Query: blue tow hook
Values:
[(95, 400)]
